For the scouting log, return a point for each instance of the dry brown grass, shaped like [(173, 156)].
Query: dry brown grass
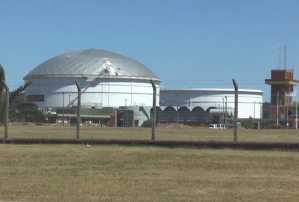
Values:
[(111, 173)]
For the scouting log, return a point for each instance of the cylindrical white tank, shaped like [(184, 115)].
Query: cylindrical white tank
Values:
[(217, 100)]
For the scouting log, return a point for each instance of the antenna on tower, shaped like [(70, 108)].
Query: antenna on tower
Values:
[(285, 57), (279, 57)]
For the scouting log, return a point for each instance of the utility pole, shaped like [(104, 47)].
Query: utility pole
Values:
[(236, 111), (78, 111), (154, 111)]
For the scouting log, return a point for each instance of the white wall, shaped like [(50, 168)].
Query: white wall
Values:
[(250, 103), (97, 93)]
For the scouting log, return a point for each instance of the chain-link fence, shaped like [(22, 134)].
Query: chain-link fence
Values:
[(120, 125)]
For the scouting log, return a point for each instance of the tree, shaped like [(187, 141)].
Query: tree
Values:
[(16, 94), (22, 110), (26, 112)]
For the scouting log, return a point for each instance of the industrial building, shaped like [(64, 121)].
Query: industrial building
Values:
[(107, 80), (212, 100)]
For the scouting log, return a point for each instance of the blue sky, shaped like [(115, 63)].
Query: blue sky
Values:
[(188, 43)]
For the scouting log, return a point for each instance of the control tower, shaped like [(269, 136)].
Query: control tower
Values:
[(282, 86)]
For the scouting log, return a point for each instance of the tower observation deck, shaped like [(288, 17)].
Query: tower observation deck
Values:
[(282, 86)]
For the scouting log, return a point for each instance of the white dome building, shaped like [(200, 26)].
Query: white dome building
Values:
[(107, 79)]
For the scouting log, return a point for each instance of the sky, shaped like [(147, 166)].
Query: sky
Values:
[(187, 43)]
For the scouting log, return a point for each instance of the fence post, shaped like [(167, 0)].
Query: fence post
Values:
[(6, 115), (236, 111), (78, 111), (63, 108), (6, 112), (154, 111), (115, 118)]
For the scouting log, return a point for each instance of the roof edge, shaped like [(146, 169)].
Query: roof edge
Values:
[(87, 77), (214, 90)]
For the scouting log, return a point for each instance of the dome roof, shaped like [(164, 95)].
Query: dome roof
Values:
[(91, 64)]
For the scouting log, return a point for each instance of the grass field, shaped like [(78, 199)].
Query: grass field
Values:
[(113, 173), (163, 133), (117, 173)]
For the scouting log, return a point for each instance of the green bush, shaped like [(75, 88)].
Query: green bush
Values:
[(147, 124), (249, 124), (26, 112)]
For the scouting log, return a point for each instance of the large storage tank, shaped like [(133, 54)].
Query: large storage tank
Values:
[(107, 79), (214, 100)]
